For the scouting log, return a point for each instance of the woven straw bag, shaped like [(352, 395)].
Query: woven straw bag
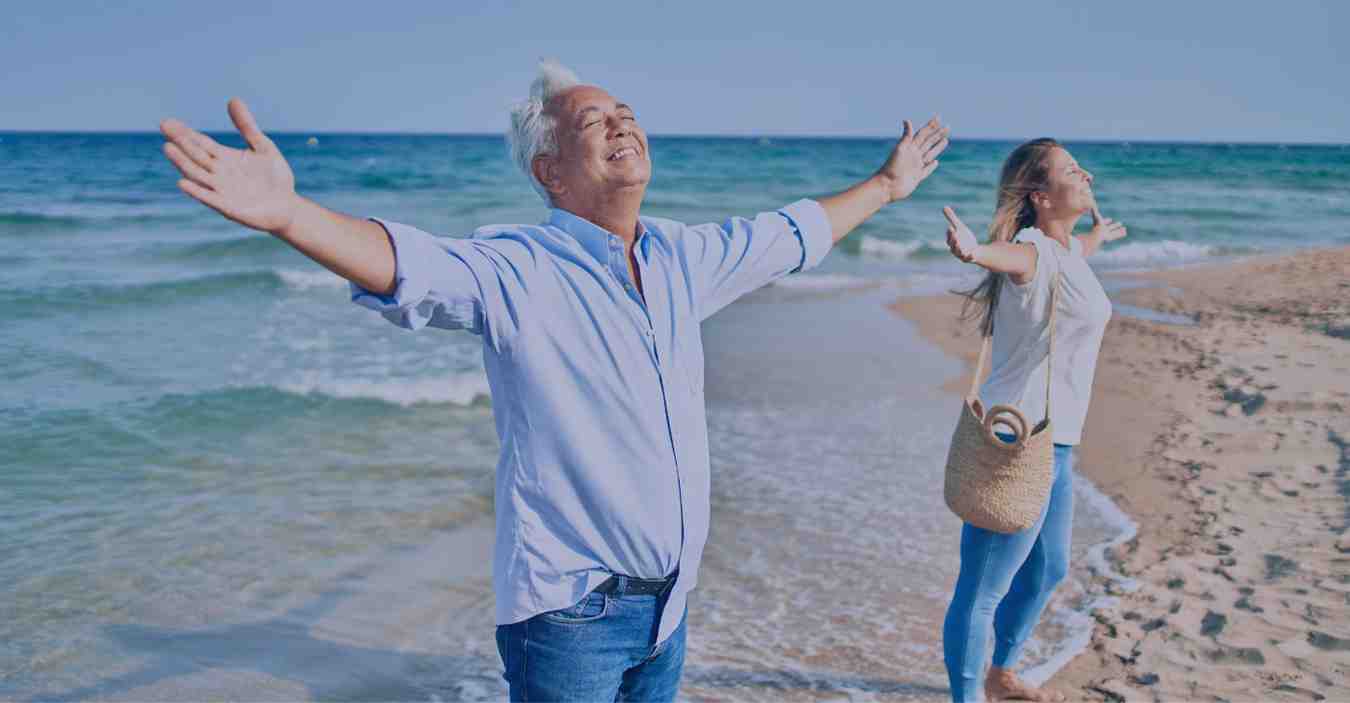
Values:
[(997, 485)]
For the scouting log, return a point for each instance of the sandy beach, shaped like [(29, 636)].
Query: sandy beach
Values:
[(1221, 428)]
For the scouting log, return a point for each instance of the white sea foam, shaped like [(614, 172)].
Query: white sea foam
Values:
[(940, 283), (1166, 252), (825, 281), (456, 388), (888, 249), (1074, 621), (305, 280), (1113, 515)]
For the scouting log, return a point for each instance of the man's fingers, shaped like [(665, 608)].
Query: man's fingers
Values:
[(247, 126), (180, 133), (185, 139), (939, 136), (928, 170), (207, 197), (929, 133), (186, 165), (173, 129), (209, 145), (907, 134), (937, 148)]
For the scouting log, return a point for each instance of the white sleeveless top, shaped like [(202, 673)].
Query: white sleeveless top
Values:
[(1022, 332)]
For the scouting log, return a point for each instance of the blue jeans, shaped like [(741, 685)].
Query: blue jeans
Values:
[(1005, 583), (601, 649)]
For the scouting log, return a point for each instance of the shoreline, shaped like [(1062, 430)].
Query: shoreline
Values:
[(1225, 441)]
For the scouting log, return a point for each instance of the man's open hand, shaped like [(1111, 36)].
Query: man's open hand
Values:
[(253, 186), (913, 159)]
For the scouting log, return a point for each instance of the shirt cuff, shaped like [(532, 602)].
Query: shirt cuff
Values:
[(812, 226), (416, 254)]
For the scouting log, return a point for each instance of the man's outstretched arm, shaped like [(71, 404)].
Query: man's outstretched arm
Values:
[(911, 161), (255, 187)]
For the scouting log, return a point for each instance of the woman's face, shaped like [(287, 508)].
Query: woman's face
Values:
[(1070, 187)]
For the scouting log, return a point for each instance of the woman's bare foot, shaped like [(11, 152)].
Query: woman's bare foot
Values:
[(1004, 685)]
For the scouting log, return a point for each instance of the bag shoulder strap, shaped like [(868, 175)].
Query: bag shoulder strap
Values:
[(1050, 354)]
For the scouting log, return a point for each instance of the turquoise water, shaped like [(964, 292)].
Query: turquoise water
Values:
[(197, 428)]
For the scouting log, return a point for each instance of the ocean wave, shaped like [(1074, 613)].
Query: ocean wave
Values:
[(24, 221), (1168, 251), (251, 246), (36, 219), (824, 281), (258, 282), (305, 280), (228, 410), (1216, 214), (154, 292), (461, 388), (913, 249)]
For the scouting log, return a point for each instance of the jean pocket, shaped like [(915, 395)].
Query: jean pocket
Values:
[(589, 609)]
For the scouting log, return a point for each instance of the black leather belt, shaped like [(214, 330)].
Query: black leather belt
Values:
[(618, 585)]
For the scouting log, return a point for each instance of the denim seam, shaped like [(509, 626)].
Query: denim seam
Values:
[(524, 662), (979, 588)]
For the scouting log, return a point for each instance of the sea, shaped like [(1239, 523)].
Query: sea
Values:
[(220, 479)]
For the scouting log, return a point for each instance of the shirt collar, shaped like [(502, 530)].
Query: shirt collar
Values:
[(596, 240)]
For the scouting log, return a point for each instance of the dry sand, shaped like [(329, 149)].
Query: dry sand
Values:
[(1228, 442)]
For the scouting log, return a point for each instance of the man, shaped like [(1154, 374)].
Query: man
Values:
[(591, 340)]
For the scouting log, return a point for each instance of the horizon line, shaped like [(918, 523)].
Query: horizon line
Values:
[(691, 135)]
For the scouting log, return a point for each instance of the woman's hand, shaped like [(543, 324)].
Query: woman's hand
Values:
[(1105, 229), (254, 186), (960, 239)]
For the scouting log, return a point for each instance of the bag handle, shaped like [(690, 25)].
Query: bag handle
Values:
[(1050, 356)]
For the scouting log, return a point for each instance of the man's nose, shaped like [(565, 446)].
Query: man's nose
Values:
[(619, 126), (1088, 174)]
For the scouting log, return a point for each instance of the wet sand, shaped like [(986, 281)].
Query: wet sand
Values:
[(1228, 441)]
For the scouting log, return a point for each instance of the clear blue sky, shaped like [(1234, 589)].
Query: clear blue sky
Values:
[(1274, 72)]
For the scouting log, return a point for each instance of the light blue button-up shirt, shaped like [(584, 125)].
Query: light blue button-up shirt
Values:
[(597, 393)]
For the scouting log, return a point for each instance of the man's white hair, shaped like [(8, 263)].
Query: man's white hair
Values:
[(532, 131)]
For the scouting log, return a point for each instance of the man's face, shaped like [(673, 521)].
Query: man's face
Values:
[(601, 149)]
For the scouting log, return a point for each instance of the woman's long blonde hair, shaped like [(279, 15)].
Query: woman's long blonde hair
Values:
[(1026, 171)]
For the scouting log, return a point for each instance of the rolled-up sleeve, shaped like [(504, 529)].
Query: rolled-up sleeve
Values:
[(729, 260), (436, 282)]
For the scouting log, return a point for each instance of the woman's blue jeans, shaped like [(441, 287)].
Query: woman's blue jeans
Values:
[(1005, 583)]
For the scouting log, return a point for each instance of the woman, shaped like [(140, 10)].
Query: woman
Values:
[(1006, 579)]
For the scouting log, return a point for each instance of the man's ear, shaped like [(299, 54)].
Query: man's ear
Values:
[(545, 169)]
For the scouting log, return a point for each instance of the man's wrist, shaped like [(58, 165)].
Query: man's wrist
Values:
[(295, 209), (883, 186)]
